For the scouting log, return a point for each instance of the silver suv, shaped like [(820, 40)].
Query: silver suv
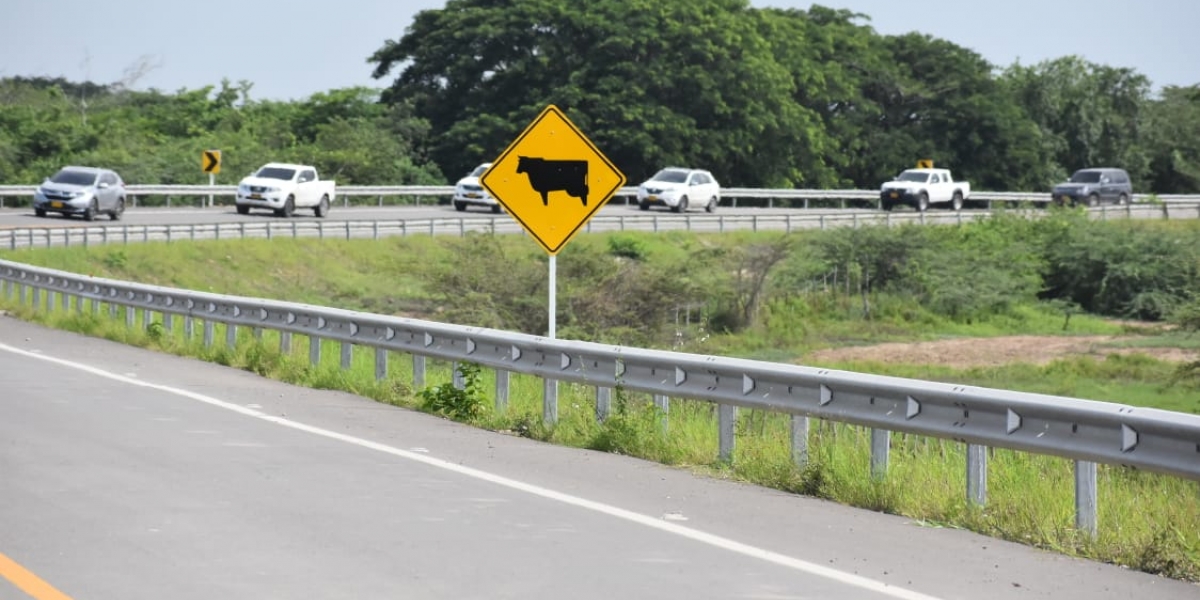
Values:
[(1093, 186), (85, 191)]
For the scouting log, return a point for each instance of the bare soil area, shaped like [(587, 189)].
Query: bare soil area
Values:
[(985, 352)]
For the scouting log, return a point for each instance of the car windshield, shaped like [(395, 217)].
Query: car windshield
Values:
[(479, 171), (74, 178), (276, 173), (1086, 177), (911, 176), (670, 176)]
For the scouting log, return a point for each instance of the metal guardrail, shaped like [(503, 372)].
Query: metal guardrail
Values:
[(30, 237), (733, 194), (1087, 431)]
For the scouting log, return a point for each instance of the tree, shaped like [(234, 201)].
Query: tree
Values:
[(1091, 115), (653, 82)]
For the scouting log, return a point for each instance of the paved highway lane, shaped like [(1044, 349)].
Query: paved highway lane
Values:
[(129, 474)]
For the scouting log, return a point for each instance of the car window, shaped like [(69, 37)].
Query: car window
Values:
[(910, 176), (1086, 177), (275, 173), (670, 176), (74, 177), (479, 171), (308, 175)]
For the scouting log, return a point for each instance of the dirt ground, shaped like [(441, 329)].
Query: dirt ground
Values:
[(984, 352)]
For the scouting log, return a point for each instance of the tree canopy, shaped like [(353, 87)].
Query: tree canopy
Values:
[(761, 97)]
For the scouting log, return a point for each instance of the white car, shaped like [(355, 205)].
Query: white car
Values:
[(679, 189), (283, 188), (469, 192), (921, 187)]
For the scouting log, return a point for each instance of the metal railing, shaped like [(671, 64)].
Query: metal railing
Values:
[(270, 228), (1088, 432), (729, 196)]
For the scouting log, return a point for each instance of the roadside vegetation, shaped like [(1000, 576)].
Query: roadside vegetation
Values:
[(766, 296)]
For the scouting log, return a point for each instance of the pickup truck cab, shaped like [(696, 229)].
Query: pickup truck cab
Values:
[(283, 188), (919, 188)]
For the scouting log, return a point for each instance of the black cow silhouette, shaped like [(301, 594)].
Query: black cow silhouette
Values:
[(546, 176)]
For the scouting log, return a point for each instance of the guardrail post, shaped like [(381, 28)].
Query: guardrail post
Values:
[(285, 342), (347, 229), (168, 322), (726, 432), (663, 403), (37, 298), (1085, 497), (208, 333), (21, 293), (881, 444), (147, 318), (347, 354), (112, 310), (314, 350), (130, 317), (381, 364), (418, 372), (231, 336), (64, 301), (502, 386), (456, 376), (549, 401), (603, 403), (977, 460), (189, 328), (799, 439)]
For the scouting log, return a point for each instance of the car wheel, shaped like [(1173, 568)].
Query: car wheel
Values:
[(289, 207), (116, 213), (243, 209), (41, 212), (923, 202), (682, 206), (957, 201), (712, 205), (1093, 200), (90, 213), (1122, 199), (460, 206), (643, 206), (322, 208)]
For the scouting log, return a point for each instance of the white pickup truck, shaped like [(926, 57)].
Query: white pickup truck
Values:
[(919, 188), (283, 188)]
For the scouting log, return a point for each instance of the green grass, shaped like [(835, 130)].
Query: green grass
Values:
[(1147, 521)]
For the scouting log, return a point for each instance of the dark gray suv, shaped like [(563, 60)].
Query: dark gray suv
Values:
[(1093, 186)]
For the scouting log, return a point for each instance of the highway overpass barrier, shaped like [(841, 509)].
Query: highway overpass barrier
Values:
[(59, 233), (1085, 431)]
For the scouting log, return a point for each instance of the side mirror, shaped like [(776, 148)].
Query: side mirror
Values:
[(103, 186)]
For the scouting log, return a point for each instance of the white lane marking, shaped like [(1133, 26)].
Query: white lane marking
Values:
[(613, 511)]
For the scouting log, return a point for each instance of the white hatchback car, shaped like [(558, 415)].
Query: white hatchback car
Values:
[(678, 189), (469, 192)]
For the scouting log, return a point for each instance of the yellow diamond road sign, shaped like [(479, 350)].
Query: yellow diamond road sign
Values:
[(552, 179)]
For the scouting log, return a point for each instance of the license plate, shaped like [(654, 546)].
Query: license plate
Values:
[(895, 195), (651, 198), (472, 195), (256, 197), (56, 205)]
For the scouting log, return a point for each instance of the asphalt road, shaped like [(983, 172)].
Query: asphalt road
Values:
[(24, 217), (129, 474)]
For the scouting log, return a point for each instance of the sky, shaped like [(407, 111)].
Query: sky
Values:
[(290, 51)]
